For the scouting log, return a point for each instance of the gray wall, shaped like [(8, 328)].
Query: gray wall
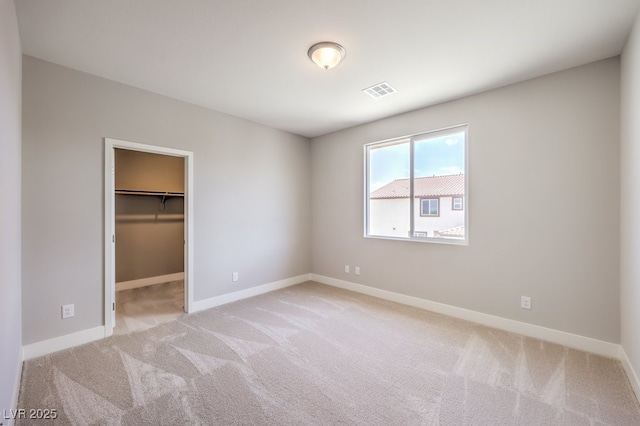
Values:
[(543, 202), (630, 199), (251, 203), (10, 176), (149, 241)]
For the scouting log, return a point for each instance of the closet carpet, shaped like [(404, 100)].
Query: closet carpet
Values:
[(141, 308), (312, 354)]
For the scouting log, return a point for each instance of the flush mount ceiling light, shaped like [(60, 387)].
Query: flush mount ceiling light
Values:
[(326, 54)]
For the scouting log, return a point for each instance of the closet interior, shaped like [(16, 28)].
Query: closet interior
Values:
[(149, 239)]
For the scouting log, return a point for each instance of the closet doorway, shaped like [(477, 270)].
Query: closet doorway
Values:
[(148, 235)]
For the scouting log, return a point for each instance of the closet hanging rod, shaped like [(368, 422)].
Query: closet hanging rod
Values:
[(157, 193)]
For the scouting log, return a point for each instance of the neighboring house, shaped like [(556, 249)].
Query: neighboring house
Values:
[(438, 208)]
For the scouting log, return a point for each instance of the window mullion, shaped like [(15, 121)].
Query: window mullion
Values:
[(411, 197)]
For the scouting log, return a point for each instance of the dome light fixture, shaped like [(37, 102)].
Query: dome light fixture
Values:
[(326, 54)]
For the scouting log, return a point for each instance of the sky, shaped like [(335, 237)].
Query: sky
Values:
[(439, 155)]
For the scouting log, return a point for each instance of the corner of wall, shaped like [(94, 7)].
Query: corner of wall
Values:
[(631, 373), (11, 223), (630, 207)]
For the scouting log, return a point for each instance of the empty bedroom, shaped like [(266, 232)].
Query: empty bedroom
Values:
[(294, 212)]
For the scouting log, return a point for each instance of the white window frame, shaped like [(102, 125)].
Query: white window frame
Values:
[(464, 128)]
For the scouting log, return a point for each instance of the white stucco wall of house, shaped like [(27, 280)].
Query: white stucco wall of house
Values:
[(389, 217)]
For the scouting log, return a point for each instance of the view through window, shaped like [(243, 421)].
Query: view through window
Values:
[(416, 187)]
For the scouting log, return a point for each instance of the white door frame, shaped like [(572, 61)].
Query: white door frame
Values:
[(110, 229)]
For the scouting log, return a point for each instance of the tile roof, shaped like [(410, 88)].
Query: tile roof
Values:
[(432, 186), (457, 232)]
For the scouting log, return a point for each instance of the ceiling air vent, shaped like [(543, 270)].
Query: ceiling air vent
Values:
[(379, 90)]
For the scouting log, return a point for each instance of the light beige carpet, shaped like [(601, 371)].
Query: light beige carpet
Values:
[(141, 308), (312, 354)]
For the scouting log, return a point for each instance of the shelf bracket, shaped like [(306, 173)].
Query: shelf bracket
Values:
[(164, 198)]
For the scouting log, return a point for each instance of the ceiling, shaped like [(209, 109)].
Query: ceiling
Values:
[(248, 58)]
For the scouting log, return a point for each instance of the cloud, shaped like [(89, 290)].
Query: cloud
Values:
[(452, 141), (450, 170)]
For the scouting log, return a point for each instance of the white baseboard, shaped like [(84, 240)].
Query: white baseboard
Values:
[(67, 341), (143, 282), (631, 373), (575, 341), (16, 388), (200, 305), (56, 344), (588, 344)]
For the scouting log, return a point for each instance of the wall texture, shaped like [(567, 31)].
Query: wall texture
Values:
[(149, 241), (10, 176), (630, 199), (251, 202), (543, 203), (144, 171)]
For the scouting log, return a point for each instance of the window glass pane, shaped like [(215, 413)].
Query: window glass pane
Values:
[(388, 186), (457, 203), (429, 207), (433, 208), (438, 169)]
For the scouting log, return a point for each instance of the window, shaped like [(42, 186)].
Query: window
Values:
[(457, 203), (429, 207), (415, 187)]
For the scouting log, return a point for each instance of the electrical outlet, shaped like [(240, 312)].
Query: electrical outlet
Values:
[(234, 277), (357, 270), (67, 311), (525, 302), (346, 268)]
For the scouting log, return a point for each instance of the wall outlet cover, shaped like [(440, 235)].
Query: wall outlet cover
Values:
[(67, 311)]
